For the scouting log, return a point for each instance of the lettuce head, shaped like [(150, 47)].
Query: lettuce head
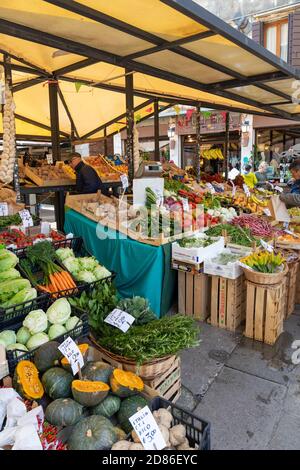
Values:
[(36, 322), (7, 260), (59, 312)]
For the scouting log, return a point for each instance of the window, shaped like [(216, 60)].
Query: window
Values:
[(276, 38)]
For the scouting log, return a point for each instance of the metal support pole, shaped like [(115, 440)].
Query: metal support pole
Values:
[(227, 140), (72, 137), (105, 141), (129, 124), (54, 118), (198, 142), (156, 131)]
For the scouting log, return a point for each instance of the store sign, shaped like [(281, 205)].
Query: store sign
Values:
[(72, 353), (120, 319), (124, 181), (26, 218), (145, 426), (3, 208)]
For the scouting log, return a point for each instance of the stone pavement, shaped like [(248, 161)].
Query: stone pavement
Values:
[(249, 391)]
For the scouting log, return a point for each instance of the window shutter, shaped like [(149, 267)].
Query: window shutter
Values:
[(294, 39), (258, 32)]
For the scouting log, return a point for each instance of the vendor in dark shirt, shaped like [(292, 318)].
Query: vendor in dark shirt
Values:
[(87, 180), (292, 198)]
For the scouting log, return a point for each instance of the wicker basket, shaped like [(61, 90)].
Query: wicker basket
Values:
[(265, 278), (147, 371)]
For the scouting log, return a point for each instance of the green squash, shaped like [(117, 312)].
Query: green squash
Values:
[(92, 433), (121, 435), (129, 407), (89, 393), (26, 381), (84, 349), (57, 383), (108, 407), (99, 371), (48, 355), (63, 412), (125, 383)]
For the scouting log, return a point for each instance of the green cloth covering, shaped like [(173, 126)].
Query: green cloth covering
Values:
[(141, 269)]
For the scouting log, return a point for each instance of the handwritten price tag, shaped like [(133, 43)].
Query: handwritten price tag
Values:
[(266, 246), (120, 319), (26, 218), (233, 188), (147, 429), (3, 208), (186, 206), (267, 212), (279, 189), (211, 188), (246, 190), (71, 351), (124, 181)]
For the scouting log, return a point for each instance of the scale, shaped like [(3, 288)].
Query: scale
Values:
[(149, 169)]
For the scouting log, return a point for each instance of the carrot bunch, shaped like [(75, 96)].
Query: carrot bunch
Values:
[(58, 281)]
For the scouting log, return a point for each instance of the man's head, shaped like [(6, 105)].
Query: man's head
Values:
[(248, 168), (75, 159), (295, 169)]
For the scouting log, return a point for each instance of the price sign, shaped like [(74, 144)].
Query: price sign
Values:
[(147, 429), (267, 212), (3, 208), (186, 206), (286, 225), (71, 351), (26, 218), (266, 246), (279, 189), (233, 188), (120, 319), (246, 190), (124, 181), (292, 233), (211, 188)]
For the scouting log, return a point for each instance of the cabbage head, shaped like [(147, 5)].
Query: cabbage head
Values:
[(37, 340), (7, 260), (100, 272), (23, 335), (86, 276), (11, 273), (19, 347), (8, 336), (59, 311), (56, 330), (72, 265), (36, 322), (88, 263), (64, 253), (72, 323)]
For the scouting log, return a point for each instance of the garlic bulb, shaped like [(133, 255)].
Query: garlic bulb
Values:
[(136, 149), (8, 157)]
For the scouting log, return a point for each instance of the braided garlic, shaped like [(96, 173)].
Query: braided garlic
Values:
[(8, 156)]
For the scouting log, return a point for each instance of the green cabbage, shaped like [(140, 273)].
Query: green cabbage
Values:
[(19, 347), (72, 265), (9, 288), (23, 335), (2, 343), (59, 311), (37, 340), (100, 272), (8, 336), (72, 323), (24, 295), (7, 260), (86, 276), (64, 253), (88, 263), (36, 322), (11, 273), (56, 330)]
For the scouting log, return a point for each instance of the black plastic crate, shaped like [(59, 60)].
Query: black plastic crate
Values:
[(79, 331), (197, 429), (11, 315), (21, 252)]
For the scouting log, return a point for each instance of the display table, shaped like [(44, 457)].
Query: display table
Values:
[(141, 269)]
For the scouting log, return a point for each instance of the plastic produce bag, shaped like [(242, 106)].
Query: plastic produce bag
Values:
[(15, 409), (2, 413), (27, 438), (7, 437), (32, 417), (7, 394)]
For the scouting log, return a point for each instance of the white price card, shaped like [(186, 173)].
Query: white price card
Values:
[(124, 181), (279, 189), (266, 246), (185, 203), (233, 188), (292, 233), (147, 430), (3, 208), (246, 190), (71, 351), (120, 319), (26, 218), (267, 212), (211, 188)]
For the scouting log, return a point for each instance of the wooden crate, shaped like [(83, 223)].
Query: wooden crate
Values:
[(265, 311), (187, 267), (291, 289), (167, 385), (228, 302), (67, 181), (194, 295)]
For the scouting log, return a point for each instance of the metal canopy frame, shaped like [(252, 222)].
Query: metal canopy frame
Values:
[(214, 26)]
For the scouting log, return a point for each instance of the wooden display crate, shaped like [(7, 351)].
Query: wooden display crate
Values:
[(167, 385), (228, 302), (291, 289), (194, 295), (187, 267), (67, 181), (265, 311)]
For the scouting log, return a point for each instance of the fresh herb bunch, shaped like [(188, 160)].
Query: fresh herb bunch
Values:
[(264, 261), (237, 235), (174, 185), (156, 339), (194, 242)]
